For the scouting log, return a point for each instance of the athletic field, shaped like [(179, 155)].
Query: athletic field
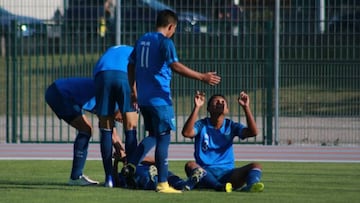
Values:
[(39, 173)]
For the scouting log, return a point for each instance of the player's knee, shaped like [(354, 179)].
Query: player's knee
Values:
[(256, 165), (81, 124), (106, 122), (189, 167), (131, 120), (86, 129)]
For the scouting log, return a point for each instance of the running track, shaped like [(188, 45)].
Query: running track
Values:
[(184, 152)]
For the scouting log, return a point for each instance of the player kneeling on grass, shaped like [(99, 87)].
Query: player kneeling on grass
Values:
[(214, 153)]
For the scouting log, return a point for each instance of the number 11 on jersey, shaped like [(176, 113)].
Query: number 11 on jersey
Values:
[(145, 46)]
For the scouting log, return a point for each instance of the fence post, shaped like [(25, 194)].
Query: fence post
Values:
[(13, 36), (269, 81)]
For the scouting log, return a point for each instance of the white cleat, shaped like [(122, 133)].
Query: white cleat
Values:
[(82, 181)]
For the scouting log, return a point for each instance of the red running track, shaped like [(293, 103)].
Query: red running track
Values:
[(185, 152)]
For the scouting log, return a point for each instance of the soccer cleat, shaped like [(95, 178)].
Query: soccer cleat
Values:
[(224, 188), (257, 187), (195, 178), (82, 181), (128, 171), (164, 187), (153, 173), (198, 174), (228, 187), (109, 182)]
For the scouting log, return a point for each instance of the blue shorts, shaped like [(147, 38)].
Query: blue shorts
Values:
[(158, 119), (143, 179), (64, 108), (222, 175), (112, 87)]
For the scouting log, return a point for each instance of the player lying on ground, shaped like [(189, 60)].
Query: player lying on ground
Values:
[(146, 177), (214, 151)]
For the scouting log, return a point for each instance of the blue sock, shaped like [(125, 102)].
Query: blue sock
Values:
[(81, 145), (144, 147), (106, 150), (130, 143), (161, 156), (254, 176), (210, 181), (175, 181)]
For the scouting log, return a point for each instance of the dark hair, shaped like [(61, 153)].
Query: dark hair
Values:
[(166, 17), (216, 95)]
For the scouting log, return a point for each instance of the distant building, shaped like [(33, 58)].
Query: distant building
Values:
[(42, 9)]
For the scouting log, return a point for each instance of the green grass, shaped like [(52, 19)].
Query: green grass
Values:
[(45, 181)]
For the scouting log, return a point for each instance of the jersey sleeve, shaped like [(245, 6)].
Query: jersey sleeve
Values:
[(170, 51), (90, 105), (237, 129), (198, 126)]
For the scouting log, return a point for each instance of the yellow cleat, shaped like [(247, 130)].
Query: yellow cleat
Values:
[(228, 187), (257, 187), (164, 187)]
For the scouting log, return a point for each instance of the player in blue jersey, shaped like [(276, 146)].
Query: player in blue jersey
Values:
[(214, 145), (67, 97), (146, 177), (150, 71), (111, 88)]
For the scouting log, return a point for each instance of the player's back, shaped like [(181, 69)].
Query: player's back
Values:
[(78, 89), (154, 53), (115, 58)]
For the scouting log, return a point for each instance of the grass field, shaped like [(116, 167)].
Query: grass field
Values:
[(45, 181)]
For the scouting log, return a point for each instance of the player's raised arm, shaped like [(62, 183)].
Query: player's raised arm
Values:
[(188, 129), (251, 130), (210, 78)]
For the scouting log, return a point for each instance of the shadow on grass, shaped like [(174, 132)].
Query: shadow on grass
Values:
[(11, 184)]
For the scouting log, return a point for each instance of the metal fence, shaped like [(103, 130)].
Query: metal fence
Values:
[(319, 73)]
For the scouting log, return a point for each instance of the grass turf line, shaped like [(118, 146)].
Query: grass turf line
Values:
[(46, 181)]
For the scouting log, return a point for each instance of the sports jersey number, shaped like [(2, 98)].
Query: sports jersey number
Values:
[(145, 46)]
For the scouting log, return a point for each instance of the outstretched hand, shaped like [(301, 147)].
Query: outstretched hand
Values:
[(212, 78), (243, 99), (199, 99)]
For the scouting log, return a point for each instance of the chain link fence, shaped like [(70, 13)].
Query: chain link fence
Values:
[(319, 67)]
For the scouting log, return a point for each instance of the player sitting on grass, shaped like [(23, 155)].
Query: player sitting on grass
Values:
[(214, 145)]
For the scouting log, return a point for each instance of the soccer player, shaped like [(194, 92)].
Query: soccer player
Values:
[(66, 97), (146, 177), (214, 145), (111, 89), (150, 70)]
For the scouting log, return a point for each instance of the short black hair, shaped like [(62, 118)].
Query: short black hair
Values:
[(166, 17), (216, 95)]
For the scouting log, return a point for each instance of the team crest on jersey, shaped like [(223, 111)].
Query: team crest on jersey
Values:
[(205, 143)]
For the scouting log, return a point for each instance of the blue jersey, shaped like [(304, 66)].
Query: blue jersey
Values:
[(214, 147), (78, 90), (152, 55), (115, 58)]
